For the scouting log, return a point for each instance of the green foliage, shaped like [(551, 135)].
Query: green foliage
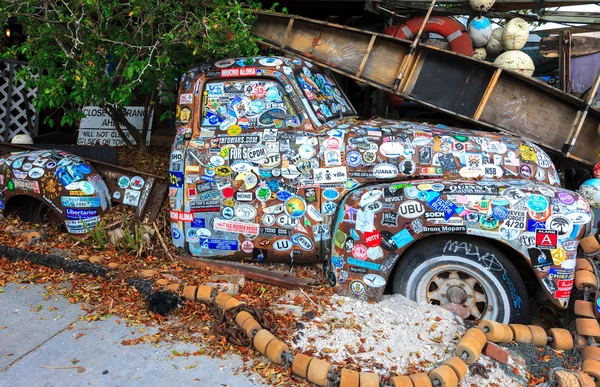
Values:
[(114, 53), (133, 240), (99, 237)]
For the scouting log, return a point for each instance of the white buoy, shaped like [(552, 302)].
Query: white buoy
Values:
[(516, 61), (495, 44), (516, 34), (479, 53), (482, 5), (480, 31), (22, 139)]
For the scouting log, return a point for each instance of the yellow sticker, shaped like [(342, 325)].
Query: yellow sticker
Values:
[(528, 153), (558, 255), (234, 130)]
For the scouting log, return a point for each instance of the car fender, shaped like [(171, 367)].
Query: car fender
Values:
[(68, 184), (377, 223)]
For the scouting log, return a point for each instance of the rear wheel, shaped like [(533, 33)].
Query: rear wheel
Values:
[(468, 272)]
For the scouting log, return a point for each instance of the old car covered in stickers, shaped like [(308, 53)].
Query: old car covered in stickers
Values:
[(66, 190), (271, 163)]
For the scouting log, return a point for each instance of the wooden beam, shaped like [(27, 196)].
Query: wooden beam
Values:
[(487, 93), (253, 273), (366, 56), (287, 33), (580, 45)]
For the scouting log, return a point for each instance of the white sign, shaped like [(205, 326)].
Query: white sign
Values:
[(97, 128)]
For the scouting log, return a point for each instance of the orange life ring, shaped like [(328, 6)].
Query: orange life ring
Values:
[(450, 28)]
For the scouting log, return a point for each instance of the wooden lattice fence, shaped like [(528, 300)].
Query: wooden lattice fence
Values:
[(17, 112)]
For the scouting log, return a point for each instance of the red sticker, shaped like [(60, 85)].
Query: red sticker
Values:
[(181, 216), (546, 239), (565, 283), (372, 239), (359, 252), (562, 293), (238, 72), (247, 247), (228, 192)]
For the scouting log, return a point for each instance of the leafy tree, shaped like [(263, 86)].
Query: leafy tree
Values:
[(110, 52)]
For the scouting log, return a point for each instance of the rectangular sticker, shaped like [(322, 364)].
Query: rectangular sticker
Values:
[(219, 244), (330, 175), (178, 216), (79, 202), (77, 226), (238, 72), (73, 213), (358, 262), (547, 239), (236, 227)]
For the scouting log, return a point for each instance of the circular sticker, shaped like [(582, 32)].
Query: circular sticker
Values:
[(306, 151), (35, 173), (217, 161), (191, 235), (263, 193), (268, 219), (87, 188), (223, 170), (245, 212), (354, 159), (566, 198), (83, 168), (247, 247), (526, 171), (123, 182), (227, 213), (560, 223), (358, 288), (359, 251), (234, 130), (295, 206), (136, 182), (270, 62), (537, 203)]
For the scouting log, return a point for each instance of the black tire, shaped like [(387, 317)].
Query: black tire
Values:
[(435, 270)]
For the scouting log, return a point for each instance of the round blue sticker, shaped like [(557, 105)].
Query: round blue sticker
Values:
[(354, 159), (537, 203), (283, 195), (337, 261), (175, 233), (85, 169)]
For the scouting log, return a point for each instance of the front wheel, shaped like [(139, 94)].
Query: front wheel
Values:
[(446, 270)]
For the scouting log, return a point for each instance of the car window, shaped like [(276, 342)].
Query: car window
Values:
[(323, 93), (247, 103)]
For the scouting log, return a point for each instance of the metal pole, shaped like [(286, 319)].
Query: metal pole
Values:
[(413, 46)]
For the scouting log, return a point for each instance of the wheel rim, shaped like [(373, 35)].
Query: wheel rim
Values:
[(459, 284)]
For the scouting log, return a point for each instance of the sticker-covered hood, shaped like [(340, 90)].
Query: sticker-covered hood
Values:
[(384, 149)]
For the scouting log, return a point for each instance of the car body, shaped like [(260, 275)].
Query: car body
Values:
[(270, 163)]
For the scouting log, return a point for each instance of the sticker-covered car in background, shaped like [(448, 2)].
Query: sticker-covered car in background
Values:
[(62, 188), (271, 163)]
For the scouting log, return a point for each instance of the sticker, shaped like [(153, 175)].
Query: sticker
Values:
[(184, 116), (526, 171), (330, 175), (282, 245), (330, 194), (81, 226), (359, 251), (516, 219), (537, 203), (137, 182), (73, 213), (238, 72), (219, 244), (36, 173), (372, 238), (295, 206), (385, 171), (131, 197), (245, 212), (357, 287), (304, 242), (566, 198), (540, 257), (561, 224), (374, 280), (411, 209), (391, 149), (236, 227), (402, 238), (175, 180), (365, 264), (546, 239), (80, 202), (354, 159)]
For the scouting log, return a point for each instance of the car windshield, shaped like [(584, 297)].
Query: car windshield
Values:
[(323, 94), (247, 104)]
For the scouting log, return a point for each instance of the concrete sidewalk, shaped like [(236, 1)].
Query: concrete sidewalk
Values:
[(34, 334)]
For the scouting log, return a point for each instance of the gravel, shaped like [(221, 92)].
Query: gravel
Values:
[(393, 337)]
